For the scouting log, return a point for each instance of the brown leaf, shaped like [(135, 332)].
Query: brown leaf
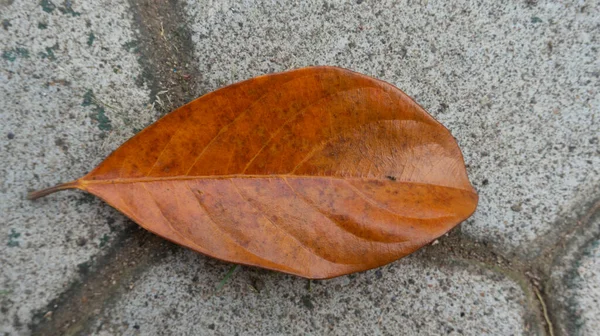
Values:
[(317, 172)]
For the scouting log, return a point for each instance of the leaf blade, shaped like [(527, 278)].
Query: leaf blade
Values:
[(316, 172)]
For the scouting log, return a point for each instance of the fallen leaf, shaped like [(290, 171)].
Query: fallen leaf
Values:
[(317, 172)]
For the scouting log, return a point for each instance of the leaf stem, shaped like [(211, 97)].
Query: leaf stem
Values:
[(41, 193)]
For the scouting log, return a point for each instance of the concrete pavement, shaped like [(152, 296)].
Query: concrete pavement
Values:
[(517, 84)]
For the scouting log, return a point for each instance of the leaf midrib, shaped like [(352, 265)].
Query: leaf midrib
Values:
[(85, 181)]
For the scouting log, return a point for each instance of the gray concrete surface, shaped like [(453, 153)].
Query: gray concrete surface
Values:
[(410, 297), (586, 290), (68, 97), (575, 281), (517, 84)]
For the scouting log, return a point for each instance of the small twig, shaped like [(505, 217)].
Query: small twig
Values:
[(159, 101), (162, 31), (99, 102), (546, 317)]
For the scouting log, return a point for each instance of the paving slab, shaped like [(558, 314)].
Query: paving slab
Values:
[(181, 296), (68, 97), (574, 287), (517, 84)]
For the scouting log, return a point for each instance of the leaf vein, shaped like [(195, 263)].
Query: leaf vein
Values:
[(296, 115), (262, 213), (224, 128)]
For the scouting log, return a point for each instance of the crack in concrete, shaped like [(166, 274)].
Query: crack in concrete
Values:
[(585, 232), (111, 275), (166, 53), (97, 292), (456, 245)]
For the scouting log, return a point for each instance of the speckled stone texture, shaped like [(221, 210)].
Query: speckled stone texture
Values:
[(68, 97), (586, 289), (408, 297), (516, 83), (575, 282)]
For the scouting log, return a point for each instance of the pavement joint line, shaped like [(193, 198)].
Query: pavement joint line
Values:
[(545, 310), (105, 282), (571, 249), (454, 240), (167, 62), (159, 60)]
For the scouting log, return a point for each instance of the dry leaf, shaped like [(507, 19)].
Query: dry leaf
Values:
[(317, 172)]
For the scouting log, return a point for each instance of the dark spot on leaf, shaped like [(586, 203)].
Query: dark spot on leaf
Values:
[(10, 135)]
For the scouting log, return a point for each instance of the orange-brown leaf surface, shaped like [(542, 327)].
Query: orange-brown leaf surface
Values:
[(317, 172)]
